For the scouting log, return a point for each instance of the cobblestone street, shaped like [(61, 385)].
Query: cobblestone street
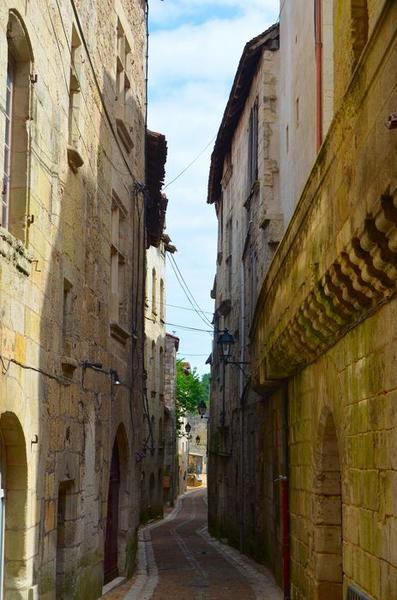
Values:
[(178, 560)]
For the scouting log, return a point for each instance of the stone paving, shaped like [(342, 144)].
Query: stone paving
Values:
[(178, 560)]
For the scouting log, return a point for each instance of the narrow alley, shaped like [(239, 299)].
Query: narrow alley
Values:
[(179, 560)]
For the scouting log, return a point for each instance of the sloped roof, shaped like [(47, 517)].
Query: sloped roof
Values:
[(246, 71)]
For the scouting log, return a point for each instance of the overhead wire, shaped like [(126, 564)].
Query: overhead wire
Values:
[(185, 288), (191, 163)]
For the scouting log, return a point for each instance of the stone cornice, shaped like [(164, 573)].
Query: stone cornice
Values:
[(363, 276)]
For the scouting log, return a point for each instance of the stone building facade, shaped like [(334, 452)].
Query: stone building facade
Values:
[(159, 435), (322, 339), (170, 435), (324, 323), (155, 340), (243, 503), (72, 245)]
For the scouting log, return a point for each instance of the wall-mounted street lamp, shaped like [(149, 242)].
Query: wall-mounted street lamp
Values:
[(114, 376), (225, 344), (98, 367), (202, 409)]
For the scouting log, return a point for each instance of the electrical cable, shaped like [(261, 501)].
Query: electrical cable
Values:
[(191, 163), (188, 293), (103, 103), (206, 312)]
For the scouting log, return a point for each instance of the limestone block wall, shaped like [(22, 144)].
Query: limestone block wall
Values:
[(155, 349), (325, 321), (242, 497), (170, 433), (61, 422)]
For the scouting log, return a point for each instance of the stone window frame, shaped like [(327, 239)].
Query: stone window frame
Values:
[(118, 270), (15, 189), (8, 114), (124, 105), (154, 293), (162, 298), (253, 146)]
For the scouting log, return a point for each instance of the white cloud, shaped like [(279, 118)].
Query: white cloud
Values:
[(192, 65)]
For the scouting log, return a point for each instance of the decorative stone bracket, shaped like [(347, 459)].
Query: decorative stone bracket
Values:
[(363, 276), (15, 252)]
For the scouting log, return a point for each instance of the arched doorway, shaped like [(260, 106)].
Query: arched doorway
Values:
[(327, 513), (13, 503), (112, 520)]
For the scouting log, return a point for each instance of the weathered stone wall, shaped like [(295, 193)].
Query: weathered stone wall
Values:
[(60, 420), (155, 340), (170, 434), (241, 494), (326, 321)]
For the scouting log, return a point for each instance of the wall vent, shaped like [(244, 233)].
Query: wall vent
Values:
[(355, 594)]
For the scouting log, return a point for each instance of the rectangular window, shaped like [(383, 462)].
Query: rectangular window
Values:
[(229, 253), (118, 304), (162, 311), (253, 145), (123, 85), (7, 145), (67, 327)]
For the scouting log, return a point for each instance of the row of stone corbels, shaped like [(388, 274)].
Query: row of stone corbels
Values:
[(362, 277)]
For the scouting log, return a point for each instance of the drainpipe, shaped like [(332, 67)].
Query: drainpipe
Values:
[(319, 73), (284, 497)]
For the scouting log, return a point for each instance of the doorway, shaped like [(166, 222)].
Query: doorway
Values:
[(112, 520)]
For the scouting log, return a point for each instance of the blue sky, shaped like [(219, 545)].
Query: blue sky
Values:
[(195, 46)]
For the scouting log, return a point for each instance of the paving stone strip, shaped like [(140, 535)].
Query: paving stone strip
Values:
[(178, 560)]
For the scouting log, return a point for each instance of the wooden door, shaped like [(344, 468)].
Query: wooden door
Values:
[(112, 521)]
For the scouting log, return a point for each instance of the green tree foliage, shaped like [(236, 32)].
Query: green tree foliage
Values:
[(190, 390)]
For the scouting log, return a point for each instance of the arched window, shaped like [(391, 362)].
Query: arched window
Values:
[(17, 110)]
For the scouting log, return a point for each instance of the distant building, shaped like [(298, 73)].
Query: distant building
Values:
[(170, 484), (310, 429), (244, 188), (158, 465), (198, 447)]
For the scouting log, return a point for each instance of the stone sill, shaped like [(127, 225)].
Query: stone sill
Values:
[(118, 332), (15, 252), (69, 365)]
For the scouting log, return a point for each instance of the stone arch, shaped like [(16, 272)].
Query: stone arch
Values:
[(327, 512), (117, 521), (14, 485)]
